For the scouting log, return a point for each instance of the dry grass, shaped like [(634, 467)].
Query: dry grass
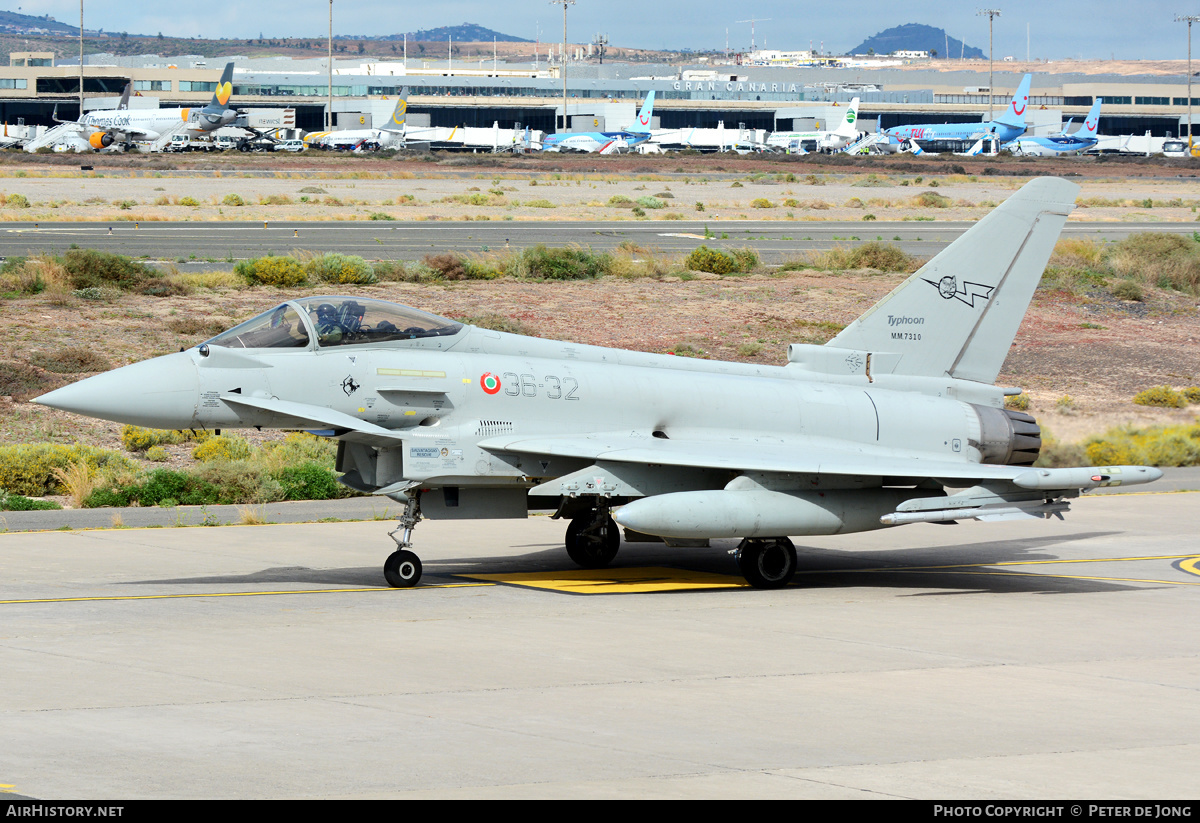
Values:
[(251, 516), (78, 481)]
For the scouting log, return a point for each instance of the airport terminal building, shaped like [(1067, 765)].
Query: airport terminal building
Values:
[(598, 96)]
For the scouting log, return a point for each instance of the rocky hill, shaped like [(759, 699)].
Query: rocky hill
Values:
[(916, 37)]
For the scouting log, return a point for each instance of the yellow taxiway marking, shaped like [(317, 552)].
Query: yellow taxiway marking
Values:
[(229, 594), (616, 581), (8, 788), (1191, 565), (661, 579)]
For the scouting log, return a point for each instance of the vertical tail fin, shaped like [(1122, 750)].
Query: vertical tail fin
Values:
[(224, 89), (959, 313), (400, 115), (124, 102), (848, 126), (642, 123), (1091, 123), (1014, 114)]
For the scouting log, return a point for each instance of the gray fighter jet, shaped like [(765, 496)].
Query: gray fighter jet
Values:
[(894, 421)]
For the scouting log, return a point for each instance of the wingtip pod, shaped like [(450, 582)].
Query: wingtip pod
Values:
[(948, 318)]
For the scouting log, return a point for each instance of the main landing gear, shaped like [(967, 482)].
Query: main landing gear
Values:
[(766, 563), (402, 569), (593, 539)]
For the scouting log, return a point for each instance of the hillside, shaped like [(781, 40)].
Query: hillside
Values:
[(17, 23), (466, 33), (916, 37)]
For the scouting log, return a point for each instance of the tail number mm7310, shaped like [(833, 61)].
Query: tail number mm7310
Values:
[(526, 385)]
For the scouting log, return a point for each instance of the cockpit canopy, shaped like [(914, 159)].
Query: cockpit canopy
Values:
[(334, 321)]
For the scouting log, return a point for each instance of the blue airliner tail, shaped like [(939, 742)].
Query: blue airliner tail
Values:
[(1014, 114), (1091, 123), (641, 124)]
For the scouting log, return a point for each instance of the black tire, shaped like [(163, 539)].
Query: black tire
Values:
[(592, 544), (767, 564), (402, 569)]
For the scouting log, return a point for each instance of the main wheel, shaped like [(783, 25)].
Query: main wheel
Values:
[(592, 542), (402, 569), (767, 564)]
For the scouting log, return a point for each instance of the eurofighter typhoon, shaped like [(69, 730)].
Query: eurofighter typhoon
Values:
[(896, 420)]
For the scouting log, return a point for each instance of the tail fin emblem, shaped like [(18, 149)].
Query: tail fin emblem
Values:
[(949, 289)]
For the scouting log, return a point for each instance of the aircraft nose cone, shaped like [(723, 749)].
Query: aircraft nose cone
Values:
[(160, 394)]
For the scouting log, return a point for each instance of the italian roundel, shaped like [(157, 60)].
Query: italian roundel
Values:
[(489, 382)]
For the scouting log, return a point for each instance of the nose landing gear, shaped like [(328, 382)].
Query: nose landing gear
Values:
[(402, 569)]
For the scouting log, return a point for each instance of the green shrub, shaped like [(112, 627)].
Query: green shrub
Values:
[(499, 322), (1020, 402), (873, 255), (19, 503), (563, 263), (71, 360), (88, 268), (746, 258), (340, 269), (241, 481), (380, 215), (188, 201), (932, 200), (233, 200), (17, 201), (712, 261), (28, 469), (21, 381), (271, 271), (308, 482), (157, 454), (1192, 394), (1163, 396), (540, 204), (137, 439), (167, 487), (223, 447), (1129, 290), (449, 265), (620, 201), (761, 203), (650, 203)]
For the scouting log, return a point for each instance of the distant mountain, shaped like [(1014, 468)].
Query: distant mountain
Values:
[(11, 21), (916, 37), (466, 33)]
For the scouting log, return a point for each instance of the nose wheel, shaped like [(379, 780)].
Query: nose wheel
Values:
[(402, 569)]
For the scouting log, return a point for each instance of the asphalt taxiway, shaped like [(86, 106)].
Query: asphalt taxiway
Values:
[(774, 240), (1024, 659)]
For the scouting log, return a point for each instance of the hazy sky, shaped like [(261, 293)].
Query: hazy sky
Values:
[(1095, 29)]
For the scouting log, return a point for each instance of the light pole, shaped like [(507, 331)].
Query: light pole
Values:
[(992, 14), (329, 107), (1189, 19), (81, 59), (563, 69)]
